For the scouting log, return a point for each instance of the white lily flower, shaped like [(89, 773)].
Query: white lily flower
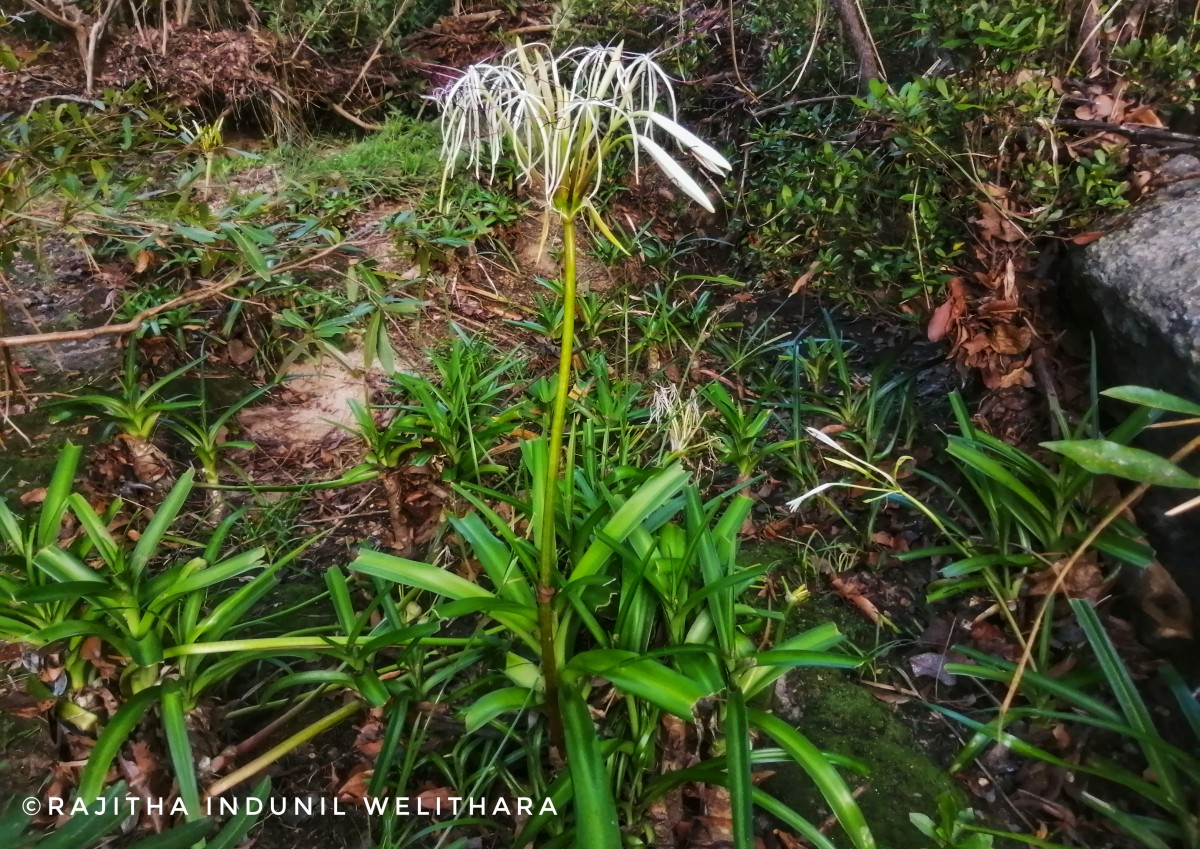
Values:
[(561, 118)]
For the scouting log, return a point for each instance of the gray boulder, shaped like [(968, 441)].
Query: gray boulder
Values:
[(1142, 283), (1137, 290)]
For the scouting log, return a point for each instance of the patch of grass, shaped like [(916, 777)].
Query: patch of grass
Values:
[(399, 158)]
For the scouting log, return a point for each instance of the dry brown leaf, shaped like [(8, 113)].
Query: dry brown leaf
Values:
[(888, 694), (978, 342), (1010, 339), (1086, 238), (804, 279), (676, 741), (993, 224), (1146, 116), (354, 789), (852, 592), (939, 322), (435, 798), (92, 650), (240, 353), (787, 841), (1017, 377), (370, 737), (1084, 580), (34, 496), (23, 705)]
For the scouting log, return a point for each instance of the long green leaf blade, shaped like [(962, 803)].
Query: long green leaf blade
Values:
[(596, 824), (833, 788)]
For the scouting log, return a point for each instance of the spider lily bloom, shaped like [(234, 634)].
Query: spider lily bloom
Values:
[(563, 118)]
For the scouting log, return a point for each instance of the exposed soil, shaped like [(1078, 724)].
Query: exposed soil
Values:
[(311, 414)]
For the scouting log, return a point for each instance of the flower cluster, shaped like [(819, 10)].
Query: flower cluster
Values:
[(562, 118)]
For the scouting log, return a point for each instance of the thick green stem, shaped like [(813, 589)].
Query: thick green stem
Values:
[(548, 554)]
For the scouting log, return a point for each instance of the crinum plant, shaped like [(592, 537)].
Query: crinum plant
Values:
[(565, 121)]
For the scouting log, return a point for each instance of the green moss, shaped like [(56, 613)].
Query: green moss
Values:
[(839, 715), (834, 711)]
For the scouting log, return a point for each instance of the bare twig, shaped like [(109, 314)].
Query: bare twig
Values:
[(1089, 47), (400, 10), (737, 71), (1137, 132), (1096, 25), (354, 119), (74, 98), (135, 323), (832, 820), (808, 101)]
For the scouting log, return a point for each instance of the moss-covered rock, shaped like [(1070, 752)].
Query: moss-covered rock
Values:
[(840, 715)]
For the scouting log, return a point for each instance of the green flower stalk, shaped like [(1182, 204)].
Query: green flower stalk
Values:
[(563, 120)]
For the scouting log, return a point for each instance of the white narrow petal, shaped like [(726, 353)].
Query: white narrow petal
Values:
[(821, 436), (705, 154), (795, 503), (675, 172)]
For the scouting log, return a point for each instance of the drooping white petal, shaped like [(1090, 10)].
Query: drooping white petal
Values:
[(674, 171), (693, 144), (796, 503), (822, 436), (561, 117)]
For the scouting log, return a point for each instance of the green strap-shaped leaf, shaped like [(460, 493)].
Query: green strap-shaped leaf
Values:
[(497, 559), (737, 759), (97, 532), (491, 705), (86, 830), (174, 719), (57, 494), (1127, 695), (147, 545), (240, 823), (1153, 398), (833, 788), (596, 824), (217, 573), (649, 497), (642, 677), (65, 567), (410, 573), (81, 628), (114, 735), (1102, 457)]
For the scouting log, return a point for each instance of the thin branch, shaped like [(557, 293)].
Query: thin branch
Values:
[(808, 101), (354, 119), (1137, 132), (1089, 48), (74, 98), (136, 322), (400, 10)]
